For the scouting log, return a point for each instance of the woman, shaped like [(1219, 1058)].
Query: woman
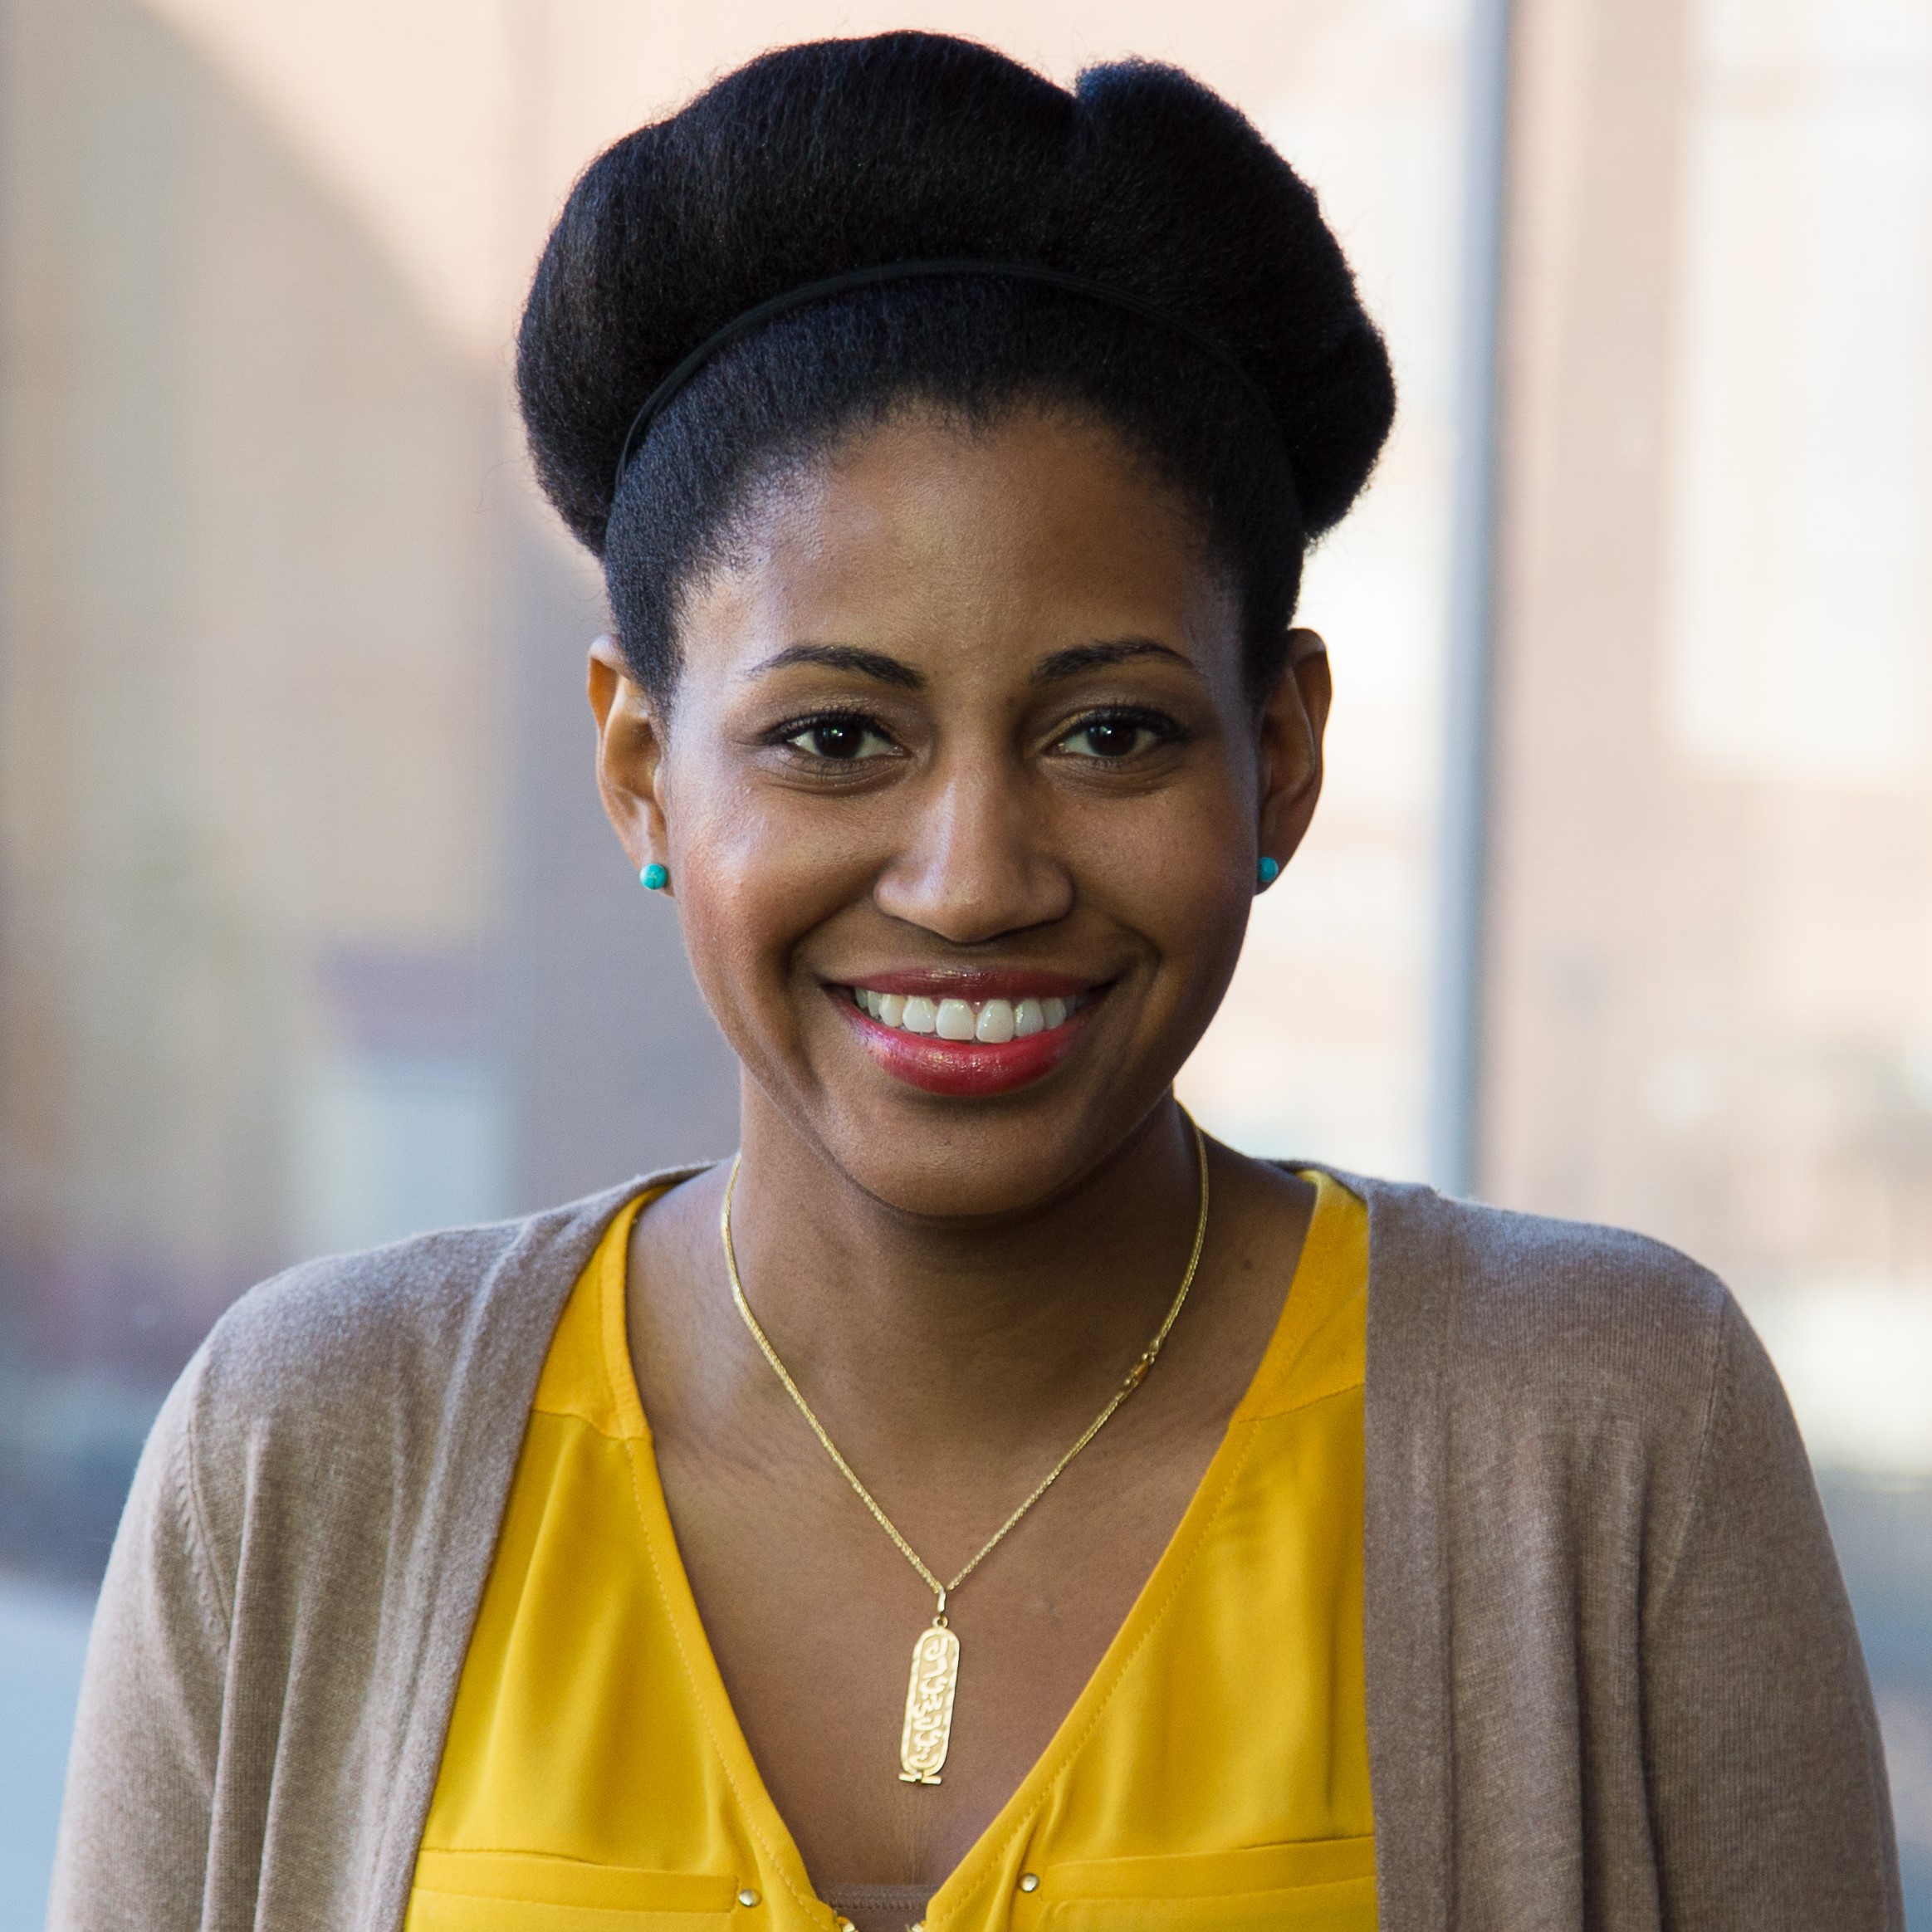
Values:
[(985, 1502)]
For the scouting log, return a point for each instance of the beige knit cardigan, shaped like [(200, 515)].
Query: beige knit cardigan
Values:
[(1613, 1680)]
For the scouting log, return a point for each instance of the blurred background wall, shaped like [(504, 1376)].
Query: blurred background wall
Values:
[(312, 933)]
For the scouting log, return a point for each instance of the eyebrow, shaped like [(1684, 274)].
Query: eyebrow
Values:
[(1080, 658), (874, 664), (1051, 669)]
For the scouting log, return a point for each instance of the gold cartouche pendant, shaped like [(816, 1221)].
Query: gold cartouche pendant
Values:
[(929, 1726)]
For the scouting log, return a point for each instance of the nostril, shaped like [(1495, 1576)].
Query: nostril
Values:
[(974, 903)]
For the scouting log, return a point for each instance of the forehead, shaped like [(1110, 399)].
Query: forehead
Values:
[(928, 532)]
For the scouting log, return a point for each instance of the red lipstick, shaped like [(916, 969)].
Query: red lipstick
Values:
[(970, 1068)]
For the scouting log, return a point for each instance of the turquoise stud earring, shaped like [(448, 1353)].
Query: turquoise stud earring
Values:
[(1266, 873), (653, 878)]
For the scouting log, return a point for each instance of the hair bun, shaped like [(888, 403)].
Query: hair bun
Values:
[(814, 160), (1215, 227)]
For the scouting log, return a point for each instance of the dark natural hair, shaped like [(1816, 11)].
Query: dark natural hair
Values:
[(817, 159)]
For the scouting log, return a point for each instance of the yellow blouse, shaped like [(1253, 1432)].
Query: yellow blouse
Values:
[(1212, 1775)]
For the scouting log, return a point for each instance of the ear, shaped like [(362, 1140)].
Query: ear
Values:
[(1292, 722), (630, 758)]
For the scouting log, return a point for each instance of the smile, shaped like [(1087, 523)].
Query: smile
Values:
[(991, 1022), (926, 1031)]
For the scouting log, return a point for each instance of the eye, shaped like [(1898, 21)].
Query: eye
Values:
[(1114, 736), (838, 738)]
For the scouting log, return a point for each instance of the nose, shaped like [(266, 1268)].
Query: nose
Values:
[(977, 862)]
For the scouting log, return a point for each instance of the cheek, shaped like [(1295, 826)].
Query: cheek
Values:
[(1180, 873), (1201, 891), (754, 880)]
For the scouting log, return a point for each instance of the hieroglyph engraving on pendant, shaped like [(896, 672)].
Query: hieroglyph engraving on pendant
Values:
[(928, 1731)]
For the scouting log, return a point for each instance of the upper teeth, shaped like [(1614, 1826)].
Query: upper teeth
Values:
[(993, 1021)]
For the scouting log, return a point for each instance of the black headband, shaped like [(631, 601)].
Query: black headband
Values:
[(839, 285)]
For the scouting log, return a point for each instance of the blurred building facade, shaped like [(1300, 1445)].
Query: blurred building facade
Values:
[(250, 647), (305, 895)]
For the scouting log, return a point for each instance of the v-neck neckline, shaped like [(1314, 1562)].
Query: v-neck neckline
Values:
[(983, 1858)]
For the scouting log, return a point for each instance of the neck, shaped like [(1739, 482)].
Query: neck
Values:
[(970, 1336)]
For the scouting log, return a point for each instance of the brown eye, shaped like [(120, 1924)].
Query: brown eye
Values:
[(840, 740), (1114, 737)]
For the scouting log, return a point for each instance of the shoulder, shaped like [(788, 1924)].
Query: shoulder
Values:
[(350, 1380), (1547, 1383), (1534, 1275), (333, 1333), (1601, 1287), (1594, 1326)]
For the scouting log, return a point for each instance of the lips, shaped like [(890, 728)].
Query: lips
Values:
[(968, 1034)]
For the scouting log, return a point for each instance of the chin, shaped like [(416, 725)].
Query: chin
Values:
[(943, 1155)]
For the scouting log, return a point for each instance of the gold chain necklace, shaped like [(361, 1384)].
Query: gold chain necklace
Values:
[(927, 1732)]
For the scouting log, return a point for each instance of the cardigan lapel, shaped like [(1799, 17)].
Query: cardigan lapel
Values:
[(496, 1354), (1415, 1270)]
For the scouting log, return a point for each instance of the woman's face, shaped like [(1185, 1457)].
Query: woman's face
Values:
[(961, 747)]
